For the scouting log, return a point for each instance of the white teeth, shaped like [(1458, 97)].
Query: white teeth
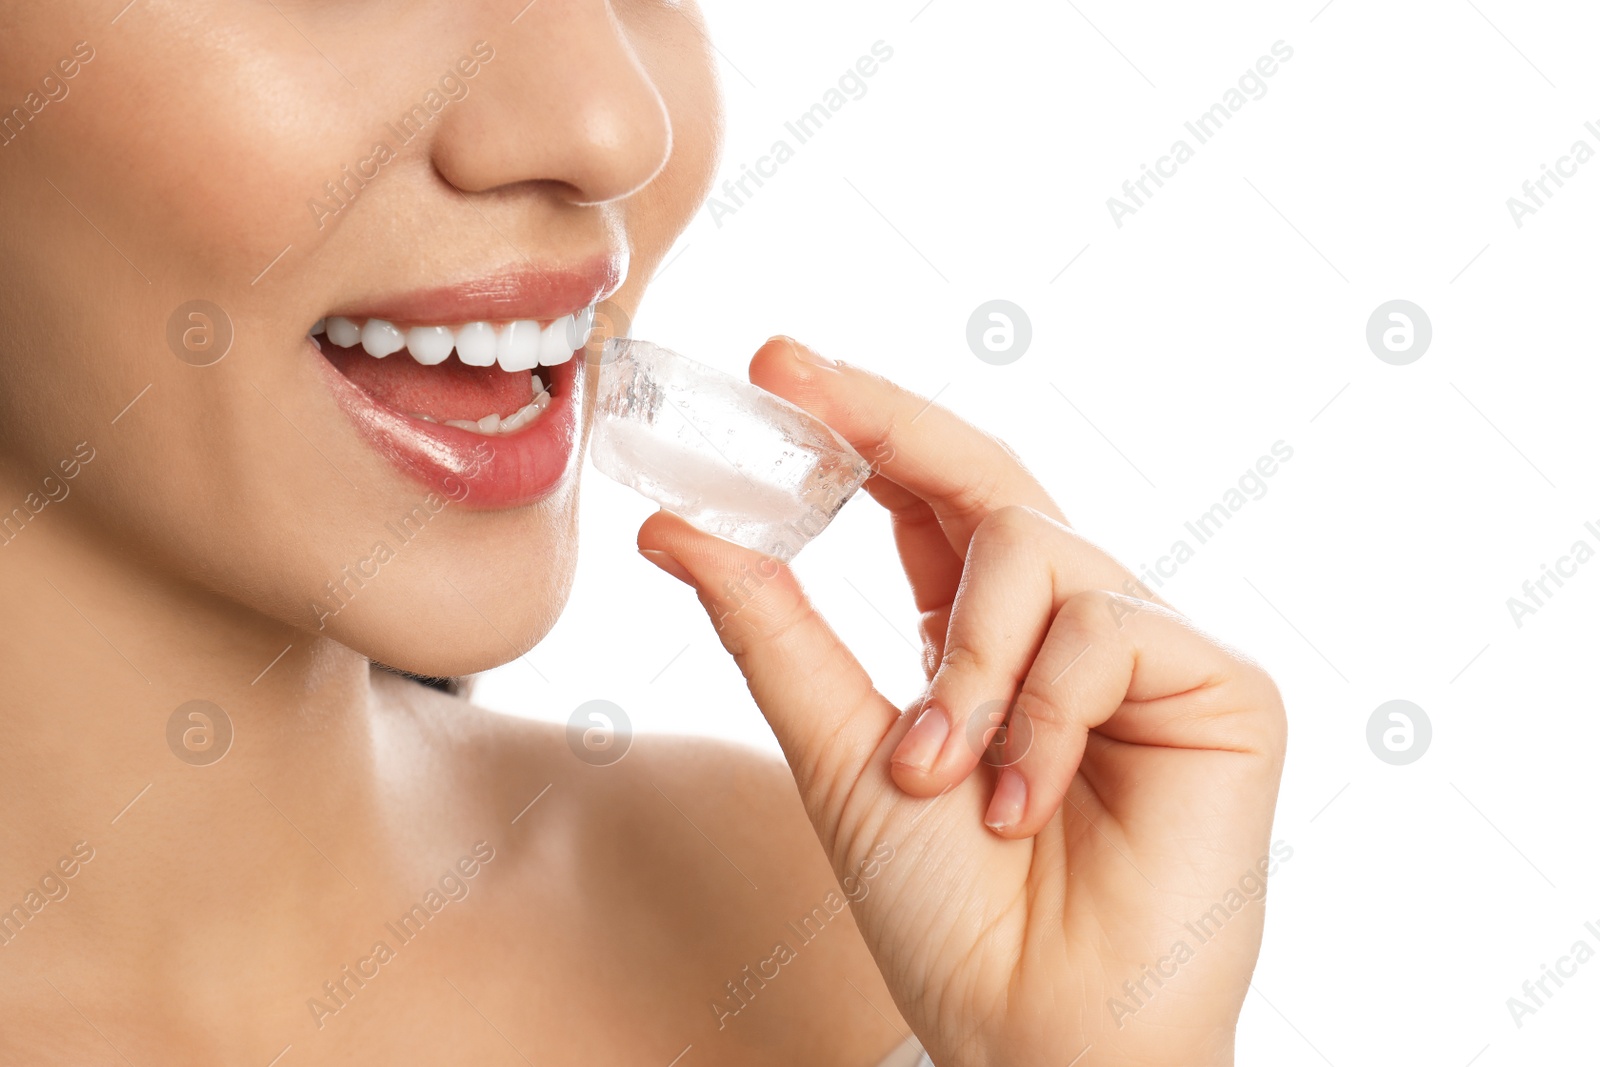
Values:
[(343, 332), (494, 425), (516, 422), (430, 345), (476, 344), (555, 342), (381, 338), (518, 348)]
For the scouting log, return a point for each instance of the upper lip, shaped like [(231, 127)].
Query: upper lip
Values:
[(519, 291)]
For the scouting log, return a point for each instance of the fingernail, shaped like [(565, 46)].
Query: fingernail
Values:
[(668, 564), (1009, 800), (804, 354), (920, 747)]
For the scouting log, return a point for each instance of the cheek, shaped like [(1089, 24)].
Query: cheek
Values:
[(220, 139), (199, 148), (173, 171), (684, 72)]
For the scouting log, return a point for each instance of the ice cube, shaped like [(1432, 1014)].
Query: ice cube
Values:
[(731, 458)]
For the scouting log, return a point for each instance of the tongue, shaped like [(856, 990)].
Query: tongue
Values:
[(450, 390)]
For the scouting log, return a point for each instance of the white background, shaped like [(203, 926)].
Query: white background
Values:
[(1226, 315)]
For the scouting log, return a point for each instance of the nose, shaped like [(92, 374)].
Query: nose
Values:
[(564, 101)]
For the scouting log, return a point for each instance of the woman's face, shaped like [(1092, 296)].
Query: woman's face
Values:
[(187, 179)]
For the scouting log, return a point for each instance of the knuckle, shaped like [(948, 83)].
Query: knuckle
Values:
[(768, 613), (1040, 702), (1008, 525), (1244, 705), (959, 659), (778, 621), (880, 452), (976, 490), (1095, 612), (878, 447), (1266, 701)]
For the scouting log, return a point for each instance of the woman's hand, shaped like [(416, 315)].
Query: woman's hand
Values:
[(1086, 890)]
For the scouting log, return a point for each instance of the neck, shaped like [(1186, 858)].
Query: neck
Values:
[(98, 653)]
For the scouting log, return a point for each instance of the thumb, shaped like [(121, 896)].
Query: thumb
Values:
[(814, 693)]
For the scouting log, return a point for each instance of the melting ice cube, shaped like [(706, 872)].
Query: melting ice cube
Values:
[(729, 457)]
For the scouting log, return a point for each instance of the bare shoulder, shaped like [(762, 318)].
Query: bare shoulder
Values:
[(756, 902), (701, 885)]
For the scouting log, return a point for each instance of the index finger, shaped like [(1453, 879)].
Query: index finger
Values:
[(959, 471)]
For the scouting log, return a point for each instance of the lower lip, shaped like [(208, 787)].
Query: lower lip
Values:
[(477, 470)]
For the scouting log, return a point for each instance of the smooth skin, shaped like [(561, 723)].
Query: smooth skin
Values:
[(1142, 792), (607, 923), (180, 561)]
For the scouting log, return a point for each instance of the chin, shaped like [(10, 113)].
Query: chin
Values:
[(484, 593)]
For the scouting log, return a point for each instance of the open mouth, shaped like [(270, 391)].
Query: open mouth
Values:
[(488, 378), (474, 388)]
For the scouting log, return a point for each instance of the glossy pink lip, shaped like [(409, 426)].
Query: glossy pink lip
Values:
[(476, 470), (541, 293), (480, 470)]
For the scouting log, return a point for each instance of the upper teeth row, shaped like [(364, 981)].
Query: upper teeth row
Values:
[(516, 346)]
